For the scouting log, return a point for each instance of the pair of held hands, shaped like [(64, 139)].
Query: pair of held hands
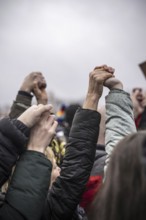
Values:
[(43, 126), (103, 75), (35, 83), (39, 118), (99, 77)]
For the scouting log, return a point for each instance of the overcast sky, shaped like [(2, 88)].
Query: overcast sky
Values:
[(66, 39)]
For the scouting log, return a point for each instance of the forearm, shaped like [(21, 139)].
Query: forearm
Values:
[(91, 102), (77, 164)]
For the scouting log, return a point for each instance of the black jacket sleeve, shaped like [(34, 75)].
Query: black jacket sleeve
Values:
[(78, 161), (28, 188), (13, 139)]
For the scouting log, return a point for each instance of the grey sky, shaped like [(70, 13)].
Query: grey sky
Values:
[(66, 39)]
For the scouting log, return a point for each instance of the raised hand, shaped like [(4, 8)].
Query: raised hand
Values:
[(96, 80), (30, 81), (33, 114), (40, 93), (42, 133), (113, 83)]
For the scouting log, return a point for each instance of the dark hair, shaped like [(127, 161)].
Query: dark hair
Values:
[(70, 112), (123, 194)]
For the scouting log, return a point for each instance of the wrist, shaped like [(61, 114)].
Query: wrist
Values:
[(91, 101), (26, 89), (36, 148), (117, 86), (42, 101), (23, 120)]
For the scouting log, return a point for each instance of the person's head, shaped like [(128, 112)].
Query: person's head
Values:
[(123, 194), (138, 93), (55, 169)]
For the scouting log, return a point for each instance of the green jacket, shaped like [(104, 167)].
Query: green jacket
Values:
[(28, 189)]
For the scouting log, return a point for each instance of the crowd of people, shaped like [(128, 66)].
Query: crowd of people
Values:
[(84, 162)]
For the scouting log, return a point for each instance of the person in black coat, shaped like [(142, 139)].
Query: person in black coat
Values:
[(14, 135), (24, 199), (32, 162)]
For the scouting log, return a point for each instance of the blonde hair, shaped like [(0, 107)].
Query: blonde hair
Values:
[(50, 154)]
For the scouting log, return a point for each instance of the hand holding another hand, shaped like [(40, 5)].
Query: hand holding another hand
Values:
[(96, 81), (42, 133), (97, 78), (113, 83), (31, 79), (33, 114), (40, 94)]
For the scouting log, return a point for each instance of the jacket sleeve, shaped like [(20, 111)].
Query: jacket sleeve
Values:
[(13, 139), (22, 102), (119, 119), (28, 188), (66, 191)]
